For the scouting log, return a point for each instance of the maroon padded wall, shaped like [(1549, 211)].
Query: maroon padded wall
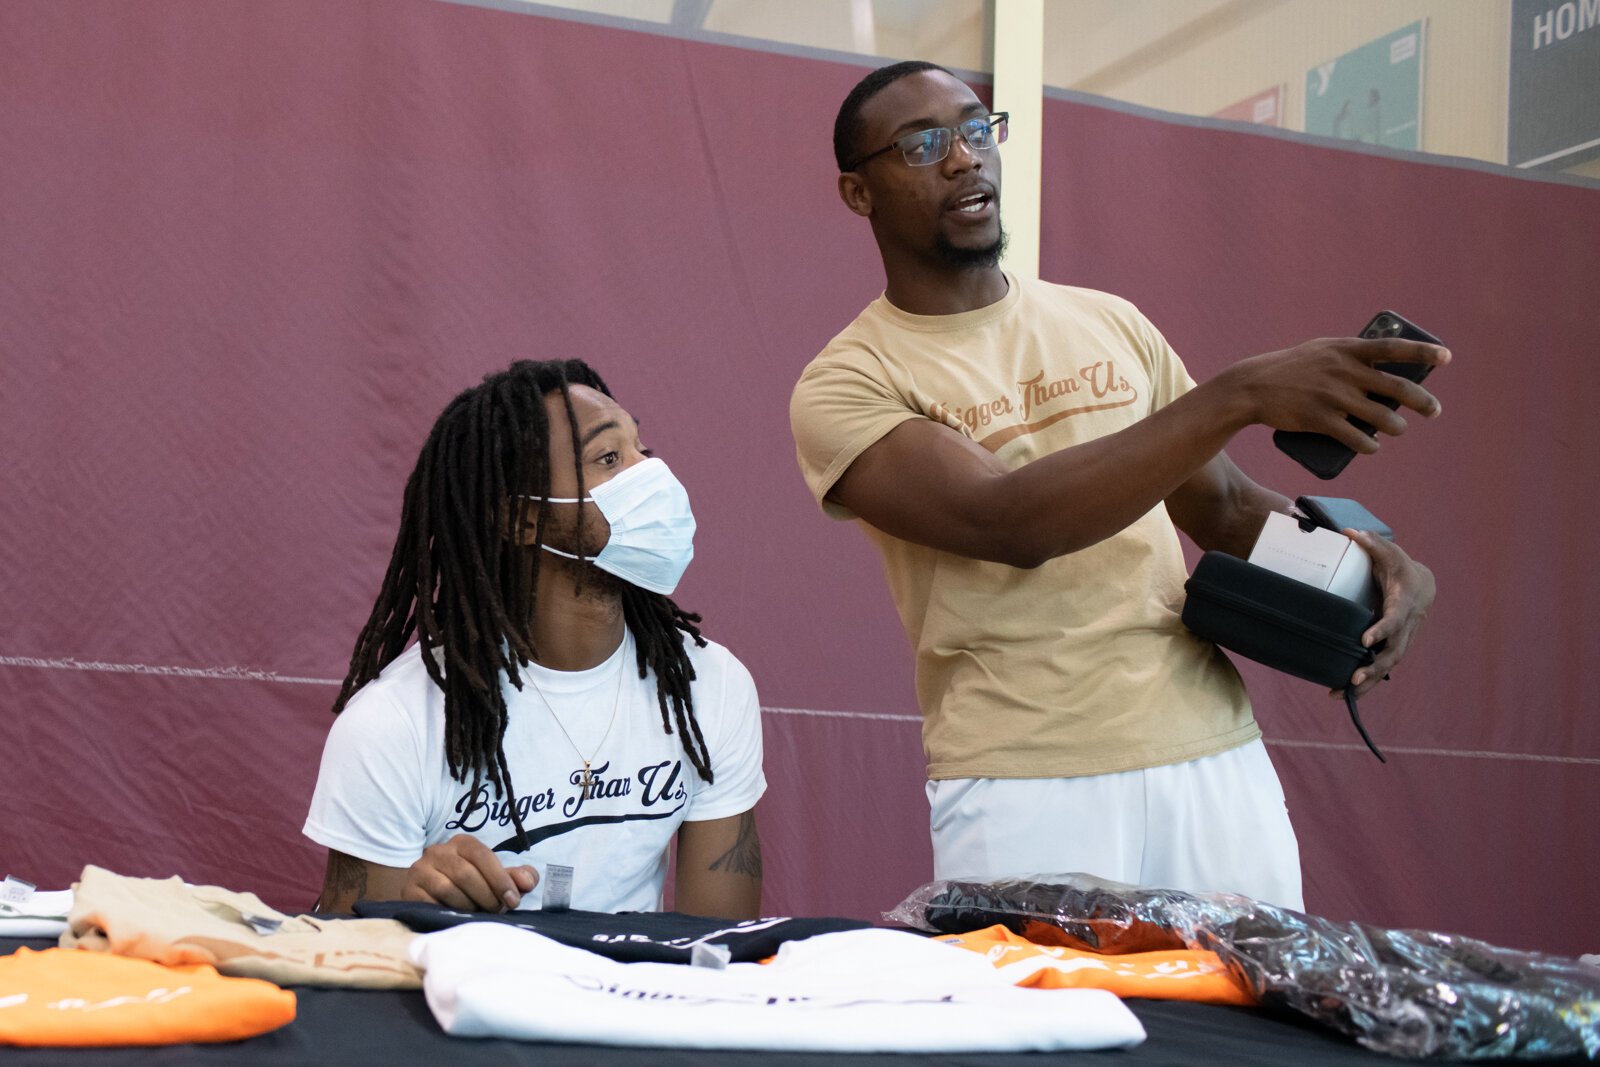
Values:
[(1235, 243), (247, 251)]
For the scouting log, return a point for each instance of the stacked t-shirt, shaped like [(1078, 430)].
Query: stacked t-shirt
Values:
[(1174, 974), (66, 997), (858, 991), (631, 937), (167, 921)]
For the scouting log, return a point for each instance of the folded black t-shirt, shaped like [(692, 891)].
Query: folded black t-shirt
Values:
[(631, 936)]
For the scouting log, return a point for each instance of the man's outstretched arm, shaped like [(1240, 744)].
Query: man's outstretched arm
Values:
[(925, 483)]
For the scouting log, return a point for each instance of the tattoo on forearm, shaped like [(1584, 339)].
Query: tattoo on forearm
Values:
[(745, 855), (345, 878)]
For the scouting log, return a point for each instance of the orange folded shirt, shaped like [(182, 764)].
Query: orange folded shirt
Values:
[(67, 997), (1177, 974)]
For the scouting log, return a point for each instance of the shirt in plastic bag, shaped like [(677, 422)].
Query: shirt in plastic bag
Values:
[(1404, 992)]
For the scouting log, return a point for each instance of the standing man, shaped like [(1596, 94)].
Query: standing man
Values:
[(1020, 453), (558, 719)]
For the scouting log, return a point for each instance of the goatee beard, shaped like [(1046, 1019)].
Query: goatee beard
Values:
[(597, 585), (982, 258)]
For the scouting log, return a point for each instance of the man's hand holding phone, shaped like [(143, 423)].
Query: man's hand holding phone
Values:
[(1404, 355)]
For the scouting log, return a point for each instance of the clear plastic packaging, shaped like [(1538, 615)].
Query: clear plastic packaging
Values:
[(1403, 992)]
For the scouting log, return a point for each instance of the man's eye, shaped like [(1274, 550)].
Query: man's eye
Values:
[(920, 144), (609, 459)]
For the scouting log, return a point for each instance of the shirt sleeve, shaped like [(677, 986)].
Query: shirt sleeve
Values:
[(368, 802), (1169, 378), (733, 740), (838, 410)]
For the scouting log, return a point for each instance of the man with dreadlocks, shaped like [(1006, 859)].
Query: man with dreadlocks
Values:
[(557, 719)]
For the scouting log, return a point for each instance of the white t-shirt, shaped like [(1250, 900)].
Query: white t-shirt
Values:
[(384, 792), (858, 991)]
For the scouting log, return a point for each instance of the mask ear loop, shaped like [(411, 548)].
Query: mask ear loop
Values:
[(561, 500), (1355, 717)]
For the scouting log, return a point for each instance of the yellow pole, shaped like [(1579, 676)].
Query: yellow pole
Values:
[(1018, 64)]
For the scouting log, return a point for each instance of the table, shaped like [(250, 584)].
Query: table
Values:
[(354, 1028)]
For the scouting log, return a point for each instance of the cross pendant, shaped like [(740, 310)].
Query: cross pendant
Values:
[(587, 780)]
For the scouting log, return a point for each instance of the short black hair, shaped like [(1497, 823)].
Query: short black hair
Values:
[(847, 125)]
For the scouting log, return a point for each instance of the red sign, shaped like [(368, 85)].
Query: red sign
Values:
[(1263, 109)]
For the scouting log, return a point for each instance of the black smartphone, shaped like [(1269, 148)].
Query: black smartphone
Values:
[(1339, 514), (1326, 456)]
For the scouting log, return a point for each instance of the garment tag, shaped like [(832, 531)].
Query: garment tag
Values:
[(557, 887), (15, 891), (715, 957), (261, 924)]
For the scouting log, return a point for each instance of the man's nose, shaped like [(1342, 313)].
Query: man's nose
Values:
[(962, 157)]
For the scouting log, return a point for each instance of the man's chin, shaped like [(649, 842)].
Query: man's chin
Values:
[(589, 581), (972, 257), (600, 585)]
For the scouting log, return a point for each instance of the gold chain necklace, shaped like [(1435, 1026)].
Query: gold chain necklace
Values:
[(587, 782)]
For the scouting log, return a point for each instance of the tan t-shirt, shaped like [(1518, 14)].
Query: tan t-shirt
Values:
[(1080, 666)]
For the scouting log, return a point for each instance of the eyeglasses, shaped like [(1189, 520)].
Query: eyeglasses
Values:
[(927, 147)]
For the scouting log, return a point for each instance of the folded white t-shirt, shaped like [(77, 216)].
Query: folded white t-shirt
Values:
[(43, 914), (857, 991)]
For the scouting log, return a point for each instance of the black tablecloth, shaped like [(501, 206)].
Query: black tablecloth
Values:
[(351, 1028)]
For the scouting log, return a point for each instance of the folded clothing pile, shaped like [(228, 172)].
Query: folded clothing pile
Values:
[(167, 921), (147, 961)]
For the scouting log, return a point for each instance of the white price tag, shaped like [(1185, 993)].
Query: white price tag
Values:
[(715, 957), (557, 887), (15, 891)]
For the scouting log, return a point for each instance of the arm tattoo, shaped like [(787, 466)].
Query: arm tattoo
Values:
[(345, 878), (745, 855)]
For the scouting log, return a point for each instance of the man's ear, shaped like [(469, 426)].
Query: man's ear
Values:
[(527, 535), (853, 191)]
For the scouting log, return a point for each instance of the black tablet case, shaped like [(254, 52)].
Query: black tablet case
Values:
[(1286, 624)]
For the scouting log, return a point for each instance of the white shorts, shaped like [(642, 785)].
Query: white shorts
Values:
[(1218, 823)]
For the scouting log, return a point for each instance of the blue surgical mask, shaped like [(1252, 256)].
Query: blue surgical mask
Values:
[(652, 527)]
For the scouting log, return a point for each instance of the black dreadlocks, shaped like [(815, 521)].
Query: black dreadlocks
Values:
[(461, 579)]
